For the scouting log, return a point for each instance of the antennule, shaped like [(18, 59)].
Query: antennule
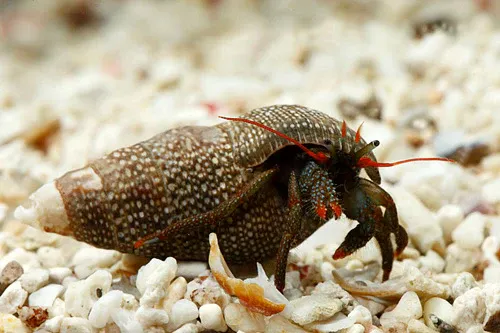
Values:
[(319, 157), (366, 149)]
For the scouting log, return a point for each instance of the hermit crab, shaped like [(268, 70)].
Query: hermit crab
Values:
[(263, 183)]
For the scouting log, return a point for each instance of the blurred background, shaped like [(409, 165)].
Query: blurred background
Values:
[(80, 78)]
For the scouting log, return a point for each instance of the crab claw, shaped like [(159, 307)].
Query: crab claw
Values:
[(339, 254)]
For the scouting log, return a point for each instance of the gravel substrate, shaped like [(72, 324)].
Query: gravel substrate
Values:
[(81, 78)]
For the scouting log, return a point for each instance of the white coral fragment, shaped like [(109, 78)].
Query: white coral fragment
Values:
[(183, 312), (408, 307), (211, 318), (12, 298), (470, 233), (312, 308), (154, 279), (45, 296), (90, 259), (34, 279), (81, 295), (151, 317), (101, 311), (125, 320)]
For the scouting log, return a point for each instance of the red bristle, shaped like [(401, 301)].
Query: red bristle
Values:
[(358, 134), (344, 129), (320, 157)]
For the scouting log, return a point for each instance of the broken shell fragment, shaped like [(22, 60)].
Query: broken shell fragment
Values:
[(239, 318), (312, 308), (278, 324), (408, 308), (251, 295), (335, 324), (439, 308), (411, 280)]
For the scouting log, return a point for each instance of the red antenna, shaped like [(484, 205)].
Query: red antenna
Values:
[(364, 161), (320, 157)]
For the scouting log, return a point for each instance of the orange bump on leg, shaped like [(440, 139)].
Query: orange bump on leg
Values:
[(337, 210), (321, 211)]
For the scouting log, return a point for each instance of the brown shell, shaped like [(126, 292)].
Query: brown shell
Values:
[(253, 145), (135, 191)]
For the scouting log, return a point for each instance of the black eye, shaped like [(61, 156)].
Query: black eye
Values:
[(327, 142)]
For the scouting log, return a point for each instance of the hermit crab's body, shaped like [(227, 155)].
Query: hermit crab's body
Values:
[(257, 190)]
